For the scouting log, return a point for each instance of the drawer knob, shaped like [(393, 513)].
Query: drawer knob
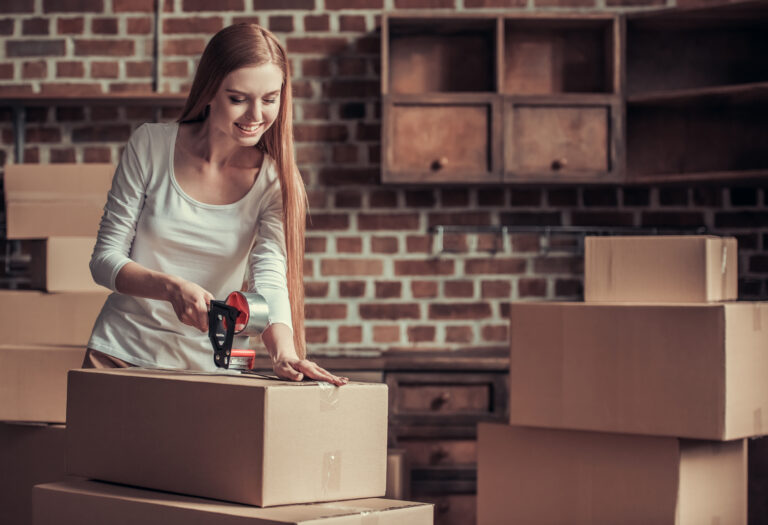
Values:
[(439, 164), (559, 164), (441, 400), (438, 455)]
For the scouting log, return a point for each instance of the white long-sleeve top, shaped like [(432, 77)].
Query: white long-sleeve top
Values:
[(150, 220)]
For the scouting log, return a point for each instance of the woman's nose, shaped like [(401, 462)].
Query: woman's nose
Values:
[(254, 112)]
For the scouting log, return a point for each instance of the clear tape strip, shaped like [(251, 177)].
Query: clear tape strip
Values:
[(330, 476), (329, 396)]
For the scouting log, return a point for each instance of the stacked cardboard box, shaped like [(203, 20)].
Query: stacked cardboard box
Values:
[(54, 210), (633, 406), (305, 452)]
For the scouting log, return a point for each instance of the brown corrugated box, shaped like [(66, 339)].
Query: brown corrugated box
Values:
[(61, 264), (660, 269), (243, 439), (46, 200), (693, 370), (528, 475), (38, 318), (33, 381), (29, 454), (80, 502)]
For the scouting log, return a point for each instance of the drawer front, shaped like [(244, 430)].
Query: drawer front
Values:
[(558, 139), (434, 452), (441, 138), (451, 509), (445, 399)]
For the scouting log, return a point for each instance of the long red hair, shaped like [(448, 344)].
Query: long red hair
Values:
[(239, 46)]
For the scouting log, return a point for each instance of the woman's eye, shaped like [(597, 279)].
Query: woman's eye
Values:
[(236, 100), (270, 100)]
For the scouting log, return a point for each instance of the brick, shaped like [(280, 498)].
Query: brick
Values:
[(6, 26), (458, 289), (459, 311), (132, 87), (673, 219), (177, 69), (472, 218), (490, 197), (138, 69), (455, 243), (327, 221), (569, 288), (388, 289), (673, 196), (35, 69), (388, 245), (346, 154), (106, 133), (495, 266), (6, 72), (430, 267), (339, 176), (636, 196), (386, 334), (747, 241), (530, 218), (383, 199), (598, 218), (337, 5), (139, 112), (348, 267), (522, 197), (59, 155), (352, 66), (352, 288), (320, 133), (349, 244), (563, 197), (495, 3), (70, 69), (139, 26), (316, 67), (70, 26), (31, 156), (317, 45), (424, 289), (754, 219), (635, 3), (489, 242), (459, 334), (758, 264), (387, 221), (281, 24), (600, 197), (708, 196), (246, 20), (325, 311), (367, 89), (207, 5), (35, 26), (421, 334), (315, 244), (101, 113), (352, 110), (17, 6), (104, 69), (97, 154), (315, 111), (565, 3), (420, 198), (745, 196), (317, 23), (104, 26), (495, 289), (750, 289), (310, 154), (424, 4), (193, 24), (271, 5), (316, 334), (494, 333), (352, 23), (418, 244), (348, 199), (532, 287), (43, 134), (183, 46), (98, 47), (129, 6), (454, 197), (73, 6), (309, 268), (389, 311), (34, 48), (567, 265), (316, 289), (350, 334), (316, 197)]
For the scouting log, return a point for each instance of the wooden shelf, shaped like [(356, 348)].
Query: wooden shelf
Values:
[(755, 92)]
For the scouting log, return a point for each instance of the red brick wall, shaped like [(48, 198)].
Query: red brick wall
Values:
[(375, 276)]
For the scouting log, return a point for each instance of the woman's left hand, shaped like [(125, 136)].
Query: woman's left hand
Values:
[(297, 369)]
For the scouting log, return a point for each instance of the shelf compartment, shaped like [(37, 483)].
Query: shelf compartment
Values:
[(546, 56), (441, 55)]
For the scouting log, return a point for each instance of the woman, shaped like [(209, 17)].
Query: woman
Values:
[(198, 205)]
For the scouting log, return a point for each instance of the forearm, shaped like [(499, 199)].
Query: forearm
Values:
[(134, 279), (278, 338)]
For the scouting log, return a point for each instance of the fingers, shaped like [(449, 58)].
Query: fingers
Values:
[(284, 370), (313, 371)]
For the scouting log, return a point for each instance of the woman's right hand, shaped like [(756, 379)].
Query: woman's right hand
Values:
[(190, 302)]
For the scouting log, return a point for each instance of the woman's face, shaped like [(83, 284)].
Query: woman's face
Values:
[(247, 103)]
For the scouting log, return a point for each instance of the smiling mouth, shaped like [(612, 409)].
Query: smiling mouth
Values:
[(248, 129)]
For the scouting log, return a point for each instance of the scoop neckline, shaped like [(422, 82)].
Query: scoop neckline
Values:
[(201, 204)]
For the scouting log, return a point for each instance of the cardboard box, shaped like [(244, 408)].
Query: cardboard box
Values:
[(47, 200), (398, 475), (33, 381), (237, 438), (694, 370), (660, 269), (528, 475), (61, 264), (29, 454), (79, 502), (37, 318)]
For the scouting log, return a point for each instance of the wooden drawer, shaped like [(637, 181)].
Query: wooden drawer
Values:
[(451, 509), (568, 141), (447, 141), (447, 398), (430, 452)]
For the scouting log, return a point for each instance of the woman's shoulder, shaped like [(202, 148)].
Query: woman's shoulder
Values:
[(152, 134)]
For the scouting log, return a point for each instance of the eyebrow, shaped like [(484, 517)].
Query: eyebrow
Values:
[(275, 92)]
